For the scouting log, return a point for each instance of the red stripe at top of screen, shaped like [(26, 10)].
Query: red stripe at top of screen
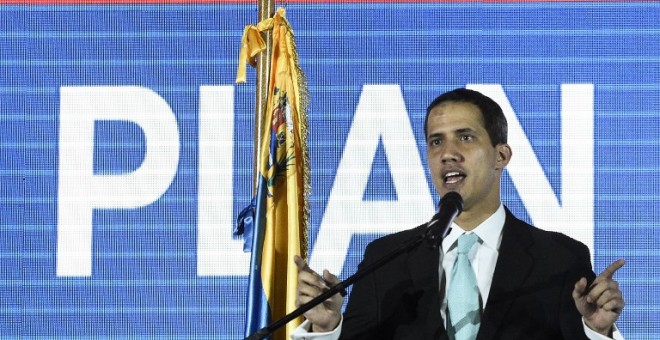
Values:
[(255, 2)]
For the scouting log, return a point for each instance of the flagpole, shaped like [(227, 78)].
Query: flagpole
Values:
[(266, 10)]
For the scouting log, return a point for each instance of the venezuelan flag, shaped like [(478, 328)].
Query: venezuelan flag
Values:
[(279, 212)]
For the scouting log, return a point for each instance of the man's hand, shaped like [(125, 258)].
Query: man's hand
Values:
[(602, 302), (326, 316)]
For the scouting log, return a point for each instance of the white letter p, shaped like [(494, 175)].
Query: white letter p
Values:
[(80, 191)]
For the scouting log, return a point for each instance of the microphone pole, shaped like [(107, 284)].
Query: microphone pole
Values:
[(436, 230)]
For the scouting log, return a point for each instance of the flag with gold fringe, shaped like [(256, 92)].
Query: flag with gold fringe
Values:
[(275, 224)]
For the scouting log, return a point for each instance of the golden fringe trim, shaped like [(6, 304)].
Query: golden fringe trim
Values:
[(303, 127)]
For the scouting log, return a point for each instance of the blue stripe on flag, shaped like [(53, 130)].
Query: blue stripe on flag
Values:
[(258, 311)]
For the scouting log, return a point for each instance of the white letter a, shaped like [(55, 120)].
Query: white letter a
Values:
[(380, 115)]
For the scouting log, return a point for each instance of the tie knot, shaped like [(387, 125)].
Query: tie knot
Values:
[(466, 241)]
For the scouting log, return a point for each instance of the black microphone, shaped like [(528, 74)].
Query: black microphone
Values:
[(450, 206)]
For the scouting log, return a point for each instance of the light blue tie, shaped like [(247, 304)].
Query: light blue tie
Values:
[(463, 295)]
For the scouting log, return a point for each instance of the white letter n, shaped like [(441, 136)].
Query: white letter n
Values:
[(575, 215)]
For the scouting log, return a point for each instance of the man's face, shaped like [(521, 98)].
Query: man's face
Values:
[(461, 156)]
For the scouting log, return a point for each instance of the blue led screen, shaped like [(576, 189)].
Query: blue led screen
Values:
[(127, 148)]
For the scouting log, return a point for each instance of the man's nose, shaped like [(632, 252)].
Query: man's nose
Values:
[(451, 153)]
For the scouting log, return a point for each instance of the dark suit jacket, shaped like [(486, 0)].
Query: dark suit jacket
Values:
[(530, 296)]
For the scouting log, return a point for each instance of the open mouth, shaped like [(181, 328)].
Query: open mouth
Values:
[(453, 177)]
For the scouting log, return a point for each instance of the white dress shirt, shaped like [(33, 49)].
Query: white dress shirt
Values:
[(483, 257)]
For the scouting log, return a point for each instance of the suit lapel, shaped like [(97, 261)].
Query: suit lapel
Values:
[(423, 264), (514, 264)]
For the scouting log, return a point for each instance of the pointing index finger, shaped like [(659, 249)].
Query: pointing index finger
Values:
[(612, 268)]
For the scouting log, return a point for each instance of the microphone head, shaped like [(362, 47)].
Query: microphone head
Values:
[(449, 207), (452, 199)]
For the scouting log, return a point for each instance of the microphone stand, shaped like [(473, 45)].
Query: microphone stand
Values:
[(436, 230), (340, 288)]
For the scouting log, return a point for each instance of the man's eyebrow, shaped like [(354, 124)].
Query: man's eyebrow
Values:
[(457, 131), (435, 135), (464, 130)]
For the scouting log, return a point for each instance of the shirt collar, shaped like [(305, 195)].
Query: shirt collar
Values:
[(489, 231)]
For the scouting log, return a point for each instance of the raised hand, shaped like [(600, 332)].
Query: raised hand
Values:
[(601, 303), (326, 316)]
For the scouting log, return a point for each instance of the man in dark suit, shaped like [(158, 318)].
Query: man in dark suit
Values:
[(532, 284)]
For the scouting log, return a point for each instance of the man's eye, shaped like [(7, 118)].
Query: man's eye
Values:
[(466, 137), (434, 142)]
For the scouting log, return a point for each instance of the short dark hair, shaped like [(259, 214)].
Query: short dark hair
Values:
[(491, 113)]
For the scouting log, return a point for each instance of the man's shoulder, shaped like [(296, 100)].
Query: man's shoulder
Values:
[(548, 238)]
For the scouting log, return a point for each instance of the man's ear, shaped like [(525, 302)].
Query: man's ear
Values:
[(504, 154)]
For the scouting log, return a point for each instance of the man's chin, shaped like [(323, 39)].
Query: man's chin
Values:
[(446, 189)]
